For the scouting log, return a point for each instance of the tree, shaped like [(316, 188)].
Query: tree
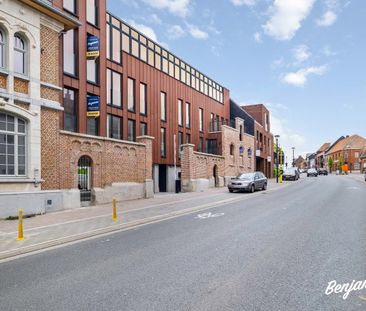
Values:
[(330, 164), (340, 164)]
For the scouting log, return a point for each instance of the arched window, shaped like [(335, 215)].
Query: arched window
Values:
[(20, 51), (12, 145), (2, 48)]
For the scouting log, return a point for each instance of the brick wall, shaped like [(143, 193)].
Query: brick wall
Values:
[(112, 160), (51, 94), (21, 86), (50, 149), (197, 165), (49, 56), (3, 81)]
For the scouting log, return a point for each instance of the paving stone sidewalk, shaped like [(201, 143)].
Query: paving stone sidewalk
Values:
[(56, 228)]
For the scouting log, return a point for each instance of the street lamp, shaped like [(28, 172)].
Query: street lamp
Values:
[(277, 137), (293, 156)]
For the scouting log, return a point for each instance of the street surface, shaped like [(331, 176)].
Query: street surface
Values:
[(275, 251)]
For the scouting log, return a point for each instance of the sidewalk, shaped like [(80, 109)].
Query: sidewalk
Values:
[(61, 227), (357, 176)]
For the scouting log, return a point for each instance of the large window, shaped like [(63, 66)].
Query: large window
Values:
[(180, 112), (163, 142), (2, 49), (162, 106), (143, 129), (188, 115), (20, 60), (114, 125), (200, 116), (113, 88), (131, 94), (92, 70), (92, 126), (92, 11), (116, 45), (12, 145), (70, 111), (143, 103), (121, 36), (70, 5), (69, 48), (131, 130)]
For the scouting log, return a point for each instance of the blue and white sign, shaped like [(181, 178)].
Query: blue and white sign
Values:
[(92, 47), (93, 106), (241, 150)]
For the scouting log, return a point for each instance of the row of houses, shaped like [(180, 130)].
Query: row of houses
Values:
[(349, 150), (91, 108)]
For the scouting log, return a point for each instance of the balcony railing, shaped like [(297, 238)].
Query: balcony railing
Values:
[(215, 126)]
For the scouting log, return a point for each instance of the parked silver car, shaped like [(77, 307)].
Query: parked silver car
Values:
[(248, 182), (291, 173)]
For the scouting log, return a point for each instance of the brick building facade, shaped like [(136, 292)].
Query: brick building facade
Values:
[(202, 170), (347, 150), (264, 138)]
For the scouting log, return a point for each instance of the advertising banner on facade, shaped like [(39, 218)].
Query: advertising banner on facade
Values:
[(92, 47), (93, 106)]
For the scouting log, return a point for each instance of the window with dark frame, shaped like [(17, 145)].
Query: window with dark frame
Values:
[(120, 36), (114, 46), (200, 117), (2, 48), (114, 91), (188, 115), (143, 99), (70, 6), (69, 52), (188, 138), (92, 70), (70, 111), (13, 143), (92, 126), (131, 130), (200, 144), (180, 112), (163, 142), (114, 126), (131, 95), (162, 106), (20, 55), (180, 143), (143, 129), (92, 12)]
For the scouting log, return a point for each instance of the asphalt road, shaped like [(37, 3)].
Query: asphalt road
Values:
[(275, 251)]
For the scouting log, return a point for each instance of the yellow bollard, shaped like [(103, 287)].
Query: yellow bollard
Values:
[(281, 178), (20, 225), (114, 216)]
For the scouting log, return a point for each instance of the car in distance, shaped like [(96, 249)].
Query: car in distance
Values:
[(248, 182), (322, 171), (291, 173), (312, 172)]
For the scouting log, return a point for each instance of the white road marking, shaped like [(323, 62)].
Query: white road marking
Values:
[(209, 215), (353, 188)]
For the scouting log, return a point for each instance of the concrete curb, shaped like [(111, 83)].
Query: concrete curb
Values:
[(28, 250)]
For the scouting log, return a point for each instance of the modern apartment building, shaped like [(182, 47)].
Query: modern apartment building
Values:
[(140, 89)]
